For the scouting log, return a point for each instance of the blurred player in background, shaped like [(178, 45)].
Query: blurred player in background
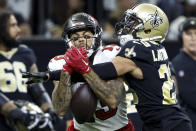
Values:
[(184, 64), (16, 58), (144, 63), (83, 31)]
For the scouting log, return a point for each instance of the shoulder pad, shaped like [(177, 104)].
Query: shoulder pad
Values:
[(106, 54), (56, 63), (136, 51), (111, 49), (23, 45)]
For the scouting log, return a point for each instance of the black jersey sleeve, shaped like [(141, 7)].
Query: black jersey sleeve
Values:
[(136, 51), (28, 54)]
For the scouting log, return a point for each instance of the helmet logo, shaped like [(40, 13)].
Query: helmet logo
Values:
[(78, 23), (93, 20), (155, 19)]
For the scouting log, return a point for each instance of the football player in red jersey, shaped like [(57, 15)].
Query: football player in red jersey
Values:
[(82, 32), (16, 58)]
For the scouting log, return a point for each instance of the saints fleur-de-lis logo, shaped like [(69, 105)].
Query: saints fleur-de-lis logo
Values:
[(155, 19), (129, 52)]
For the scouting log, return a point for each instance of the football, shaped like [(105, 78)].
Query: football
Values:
[(83, 102)]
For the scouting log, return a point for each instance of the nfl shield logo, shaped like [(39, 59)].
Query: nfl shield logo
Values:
[(181, 73)]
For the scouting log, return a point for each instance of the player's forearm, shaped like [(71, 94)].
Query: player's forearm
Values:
[(46, 106), (109, 92), (61, 95), (7, 108), (40, 96)]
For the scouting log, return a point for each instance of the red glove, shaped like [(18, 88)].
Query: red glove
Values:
[(78, 60), (67, 68), (83, 51)]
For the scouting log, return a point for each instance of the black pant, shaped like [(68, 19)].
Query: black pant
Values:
[(182, 126)]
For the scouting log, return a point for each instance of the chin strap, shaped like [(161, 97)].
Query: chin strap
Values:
[(125, 38), (152, 38)]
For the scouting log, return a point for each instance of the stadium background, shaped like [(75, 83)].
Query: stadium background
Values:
[(41, 17)]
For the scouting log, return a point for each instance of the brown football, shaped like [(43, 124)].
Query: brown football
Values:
[(83, 102)]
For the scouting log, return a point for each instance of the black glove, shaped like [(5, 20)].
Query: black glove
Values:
[(28, 119), (56, 120), (32, 120), (35, 77), (53, 115), (46, 122)]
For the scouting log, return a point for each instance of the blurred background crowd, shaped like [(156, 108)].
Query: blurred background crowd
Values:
[(45, 18), (41, 22)]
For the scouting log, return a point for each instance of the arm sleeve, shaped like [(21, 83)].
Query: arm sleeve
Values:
[(105, 71), (3, 100), (39, 94)]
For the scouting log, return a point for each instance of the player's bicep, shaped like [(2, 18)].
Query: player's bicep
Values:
[(123, 65), (33, 68)]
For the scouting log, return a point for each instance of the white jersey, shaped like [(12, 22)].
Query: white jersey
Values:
[(104, 118)]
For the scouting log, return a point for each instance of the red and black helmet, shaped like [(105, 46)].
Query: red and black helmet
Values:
[(82, 21)]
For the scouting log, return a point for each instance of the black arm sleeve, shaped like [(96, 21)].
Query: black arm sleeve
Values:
[(3, 100), (75, 77), (105, 71), (39, 94), (55, 75)]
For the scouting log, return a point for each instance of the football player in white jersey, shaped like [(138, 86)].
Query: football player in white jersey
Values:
[(83, 32)]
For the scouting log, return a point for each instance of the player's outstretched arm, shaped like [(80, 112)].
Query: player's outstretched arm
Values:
[(38, 93), (61, 95), (110, 91), (35, 77), (123, 65)]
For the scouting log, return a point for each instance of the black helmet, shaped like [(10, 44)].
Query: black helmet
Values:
[(81, 21)]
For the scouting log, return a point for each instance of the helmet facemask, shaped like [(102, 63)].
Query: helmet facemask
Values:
[(127, 27), (128, 24), (82, 22)]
